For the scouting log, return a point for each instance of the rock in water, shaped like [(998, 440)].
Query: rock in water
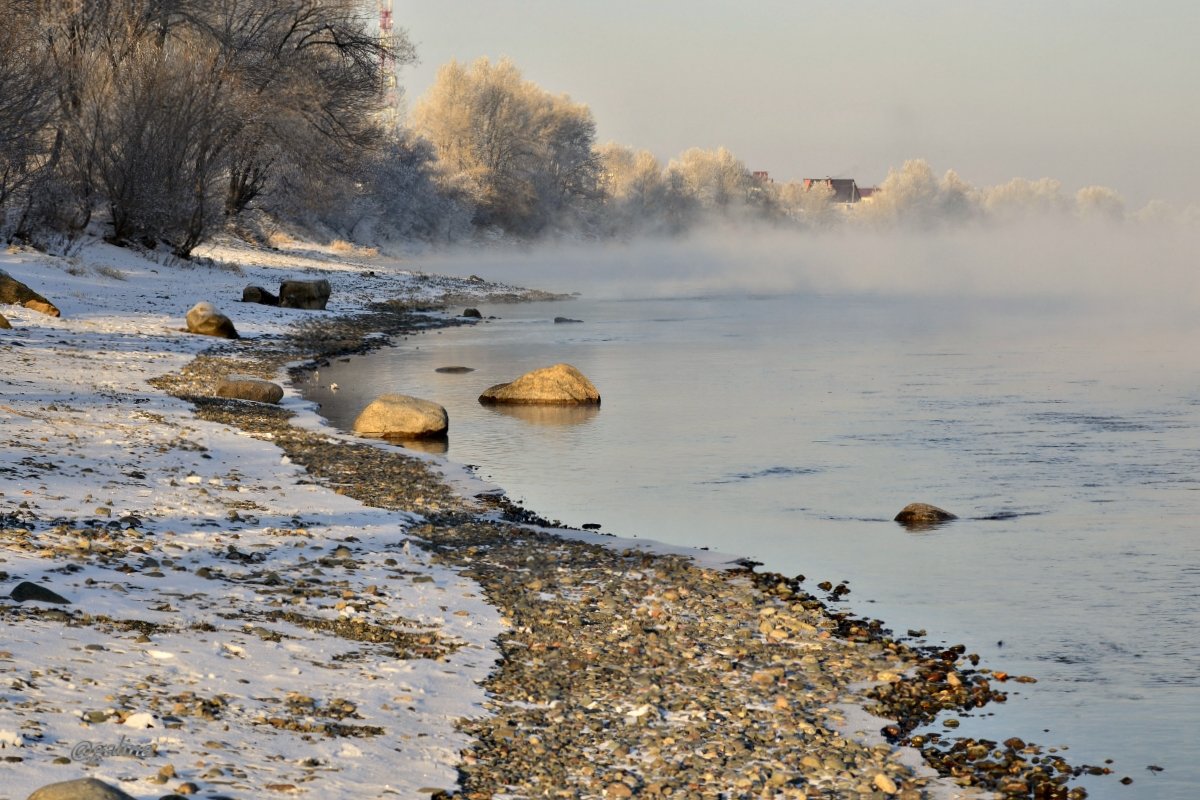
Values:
[(245, 387), (257, 294), (82, 789), (13, 292), (561, 385), (565, 320), (455, 370), (32, 591), (204, 319), (4, 323), (472, 313), (311, 295), (403, 417), (920, 516)]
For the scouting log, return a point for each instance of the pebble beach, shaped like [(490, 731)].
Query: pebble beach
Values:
[(273, 607)]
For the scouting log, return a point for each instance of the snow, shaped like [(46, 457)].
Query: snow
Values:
[(214, 672)]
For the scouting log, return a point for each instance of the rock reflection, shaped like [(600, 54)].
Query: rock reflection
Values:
[(437, 446), (550, 416)]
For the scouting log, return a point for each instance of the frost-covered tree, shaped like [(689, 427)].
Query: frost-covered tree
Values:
[(1021, 198), (525, 154), (167, 114), (716, 179), (26, 105), (914, 195), (1099, 203), (636, 194)]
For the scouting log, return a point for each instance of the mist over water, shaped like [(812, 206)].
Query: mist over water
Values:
[(783, 396)]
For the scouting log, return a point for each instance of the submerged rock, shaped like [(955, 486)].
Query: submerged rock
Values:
[(455, 370), (922, 515), (560, 384), (565, 320), (402, 416), (205, 320), (13, 292)]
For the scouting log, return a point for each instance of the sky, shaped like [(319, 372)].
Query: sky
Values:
[(1095, 92)]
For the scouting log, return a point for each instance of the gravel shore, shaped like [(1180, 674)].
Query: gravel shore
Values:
[(626, 673)]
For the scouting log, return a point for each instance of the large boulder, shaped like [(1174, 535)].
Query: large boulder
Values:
[(13, 292), (82, 789), (559, 385), (257, 294), (922, 516), (204, 319), (5, 325), (247, 387), (311, 295), (402, 417)]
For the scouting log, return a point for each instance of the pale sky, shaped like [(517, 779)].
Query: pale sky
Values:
[(1097, 92)]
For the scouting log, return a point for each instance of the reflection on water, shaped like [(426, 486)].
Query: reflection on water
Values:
[(547, 415)]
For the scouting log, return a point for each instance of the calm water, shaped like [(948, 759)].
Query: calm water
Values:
[(792, 428)]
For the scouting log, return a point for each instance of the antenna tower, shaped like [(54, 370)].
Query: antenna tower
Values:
[(387, 65)]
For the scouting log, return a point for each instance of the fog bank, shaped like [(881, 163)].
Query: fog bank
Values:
[(1121, 269)]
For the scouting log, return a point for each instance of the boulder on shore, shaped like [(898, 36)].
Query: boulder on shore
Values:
[(472, 313), (81, 789), (402, 417), (311, 295), (247, 387), (25, 590), (560, 384), (204, 319), (13, 292), (257, 294), (922, 515)]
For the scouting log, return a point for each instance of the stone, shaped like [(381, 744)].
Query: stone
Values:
[(205, 320), (246, 387), (32, 591), (257, 294), (13, 292), (455, 370), (472, 313), (82, 789), (310, 295), (560, 384), (402, 416), (5, 325), (922, 516), (565, 320)]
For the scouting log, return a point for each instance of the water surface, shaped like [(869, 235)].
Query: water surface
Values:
[(791, 428)]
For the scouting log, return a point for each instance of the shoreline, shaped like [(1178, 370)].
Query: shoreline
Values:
[(624, 672)]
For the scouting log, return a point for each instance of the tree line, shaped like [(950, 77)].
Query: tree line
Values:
[(163, 121)]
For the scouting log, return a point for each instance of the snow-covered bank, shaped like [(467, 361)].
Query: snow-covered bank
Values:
[(224, 610)]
